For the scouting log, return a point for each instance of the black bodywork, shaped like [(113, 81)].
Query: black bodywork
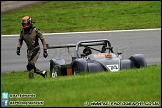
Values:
[(104, 60)]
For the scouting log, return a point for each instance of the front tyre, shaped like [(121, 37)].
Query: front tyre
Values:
[(138, 60)]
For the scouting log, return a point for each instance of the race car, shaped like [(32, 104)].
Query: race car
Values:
[(96, 56)]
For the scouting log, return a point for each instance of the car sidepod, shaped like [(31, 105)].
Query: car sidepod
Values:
[(126, 64), (105, 64)]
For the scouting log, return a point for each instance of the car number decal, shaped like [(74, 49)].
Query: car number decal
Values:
[(113, 67)]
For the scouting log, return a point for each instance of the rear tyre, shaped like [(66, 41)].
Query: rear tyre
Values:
[(51, 69), (75, 69)]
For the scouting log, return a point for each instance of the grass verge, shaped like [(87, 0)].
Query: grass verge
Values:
[(134, 85), (76, 16)]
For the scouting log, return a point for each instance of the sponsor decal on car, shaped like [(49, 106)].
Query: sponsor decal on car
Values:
[(102, 55)]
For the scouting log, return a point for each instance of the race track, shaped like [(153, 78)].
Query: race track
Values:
[(147, 42)]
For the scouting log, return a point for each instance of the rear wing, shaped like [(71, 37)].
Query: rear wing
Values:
[(82, 44), (60, 46)]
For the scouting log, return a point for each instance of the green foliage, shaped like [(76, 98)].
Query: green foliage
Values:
[(75, 16), (127, 85)]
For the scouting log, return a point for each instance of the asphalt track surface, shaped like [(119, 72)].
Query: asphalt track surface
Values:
[(7, 6), (147, 42)]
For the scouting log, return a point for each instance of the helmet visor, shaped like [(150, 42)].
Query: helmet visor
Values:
[(25, 23)]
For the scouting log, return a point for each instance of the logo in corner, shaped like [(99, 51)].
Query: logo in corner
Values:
[(4, 102), (5, 95)]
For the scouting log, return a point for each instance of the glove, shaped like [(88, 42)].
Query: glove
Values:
[(18, 51), (45, 53)]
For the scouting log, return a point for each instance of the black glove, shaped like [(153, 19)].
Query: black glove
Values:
[(45, 53), (18, 51)]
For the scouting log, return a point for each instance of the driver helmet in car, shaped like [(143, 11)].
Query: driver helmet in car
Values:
[(87, 51)]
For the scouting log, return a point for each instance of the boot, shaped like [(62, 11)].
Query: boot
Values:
[(44, 74), (40, 72)]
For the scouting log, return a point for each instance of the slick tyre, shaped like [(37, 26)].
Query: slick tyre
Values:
[(75, 69), (51, 69)]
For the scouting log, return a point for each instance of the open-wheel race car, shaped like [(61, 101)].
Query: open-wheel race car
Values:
[(104, 59)]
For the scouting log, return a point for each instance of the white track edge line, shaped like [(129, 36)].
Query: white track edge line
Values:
[(93, 32)]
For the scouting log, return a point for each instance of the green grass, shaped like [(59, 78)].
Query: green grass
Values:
[(74, 16), (134, 85)]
